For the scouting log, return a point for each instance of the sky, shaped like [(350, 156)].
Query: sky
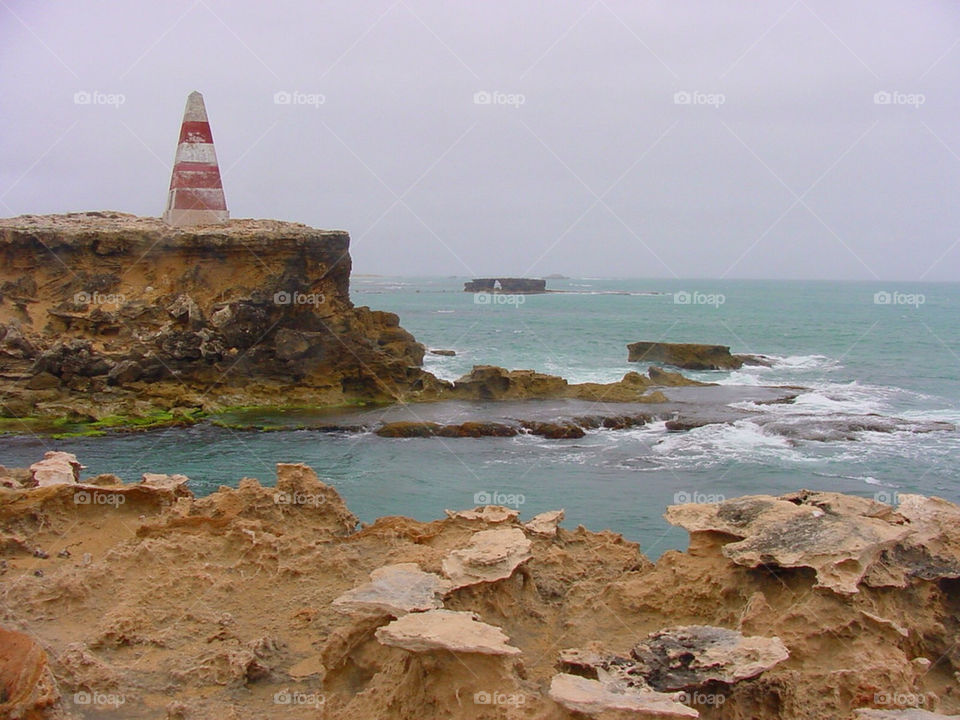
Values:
[(781, 139)]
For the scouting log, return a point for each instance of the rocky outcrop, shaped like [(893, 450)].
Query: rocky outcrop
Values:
[(226, 606), (108, 313), (56, 468), (491, 555), (506, 285), (691, 356)]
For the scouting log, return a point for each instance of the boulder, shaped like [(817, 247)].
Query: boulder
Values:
[(554, 430), (491, 555), (458, 632), (593, 697), (396, 590), (56, 468)]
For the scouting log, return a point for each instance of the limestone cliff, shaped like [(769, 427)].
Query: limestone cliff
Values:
[(107, 313)]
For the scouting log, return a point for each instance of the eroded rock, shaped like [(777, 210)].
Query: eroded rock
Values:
[(491, 555), (485, 513), (396, 590), (546, 523), (592, 697), (458, 632), (56, 468), (27, 686)]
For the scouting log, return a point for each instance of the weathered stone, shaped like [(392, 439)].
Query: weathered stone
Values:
[(839, 536), (688, 657), (491, 555), (904, 714), (175, 483), (27, 686), (299, 487), (458, 632), (396, 590), (408, 429), (546, 523), (56, 468), (485, 513), (592, 697)]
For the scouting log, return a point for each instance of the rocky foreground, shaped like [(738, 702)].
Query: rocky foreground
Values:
[(143, 601)]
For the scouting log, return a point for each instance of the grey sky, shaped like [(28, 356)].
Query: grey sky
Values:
[(798, 173)]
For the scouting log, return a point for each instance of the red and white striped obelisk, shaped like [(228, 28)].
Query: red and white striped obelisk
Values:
[(196, 192)]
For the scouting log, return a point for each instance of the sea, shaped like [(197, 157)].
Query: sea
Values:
[(875, 366)]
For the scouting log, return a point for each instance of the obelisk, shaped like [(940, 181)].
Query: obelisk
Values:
[(196, 191)]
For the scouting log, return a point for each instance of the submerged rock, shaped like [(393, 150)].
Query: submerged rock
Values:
[(458, 632)]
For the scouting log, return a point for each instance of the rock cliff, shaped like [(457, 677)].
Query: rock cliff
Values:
[(107, 313)]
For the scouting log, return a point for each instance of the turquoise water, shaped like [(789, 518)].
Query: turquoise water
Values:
[(897, 362)]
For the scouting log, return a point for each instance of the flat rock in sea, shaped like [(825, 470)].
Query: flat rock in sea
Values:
[(546, 523), (458, 632), (687, 657), (396, 590), (491, 555), (839, 536), (56, 468), (485, 513), (593, 697)]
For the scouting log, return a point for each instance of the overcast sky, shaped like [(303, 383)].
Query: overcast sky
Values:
[(777, 158)]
